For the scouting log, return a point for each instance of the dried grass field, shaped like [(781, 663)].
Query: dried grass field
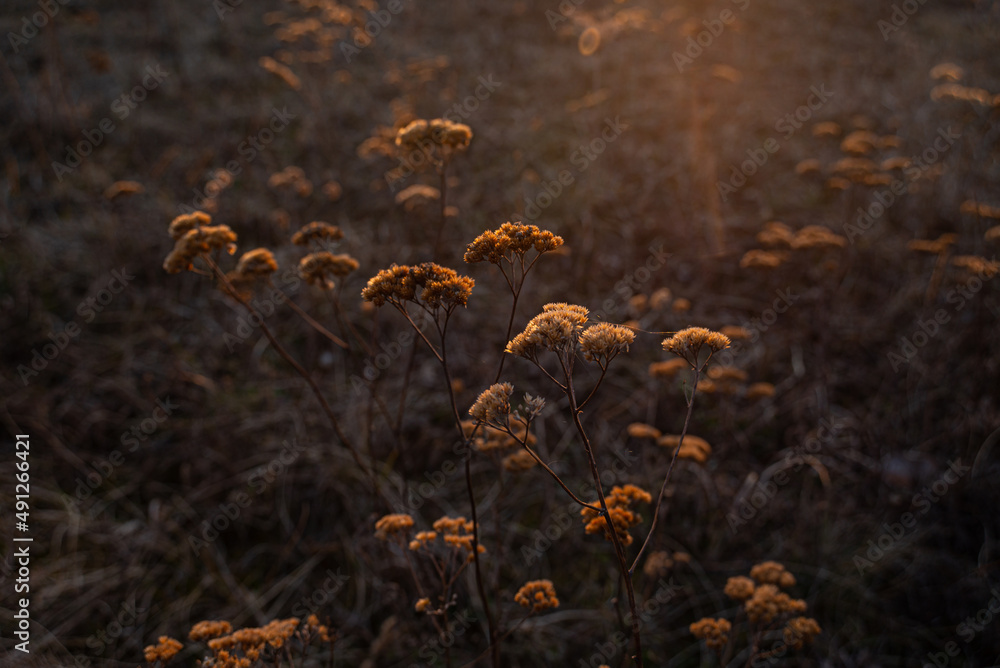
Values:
[(583, 333)]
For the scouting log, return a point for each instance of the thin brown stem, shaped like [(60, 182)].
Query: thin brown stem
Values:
[(663, 487)]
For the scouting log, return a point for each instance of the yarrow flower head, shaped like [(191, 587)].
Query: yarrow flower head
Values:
[(320, 268), (603, 342), (258, 262), (687, 343), (393, 524), (622, 517), (556, 328), (538, 595), (208, 629), (442, 287), (197, 239), (510, 240), (317, 231), (800, 631), (438, 139), (715, 632), (493, 405), (164, 650), (182, 224)]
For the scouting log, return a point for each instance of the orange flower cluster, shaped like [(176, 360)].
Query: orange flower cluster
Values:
[(320, 268), (771, 572), (715, 632), (800, 631), (493, 405), (622, 517), (195, 237), (209, 629), (767, 602), (317, 232), (603, 342), (164, 650), (445, 134), (392, 524), (442, 287), (538, 595), (694, 447), (510, 240), (687, 343), (556, 328)]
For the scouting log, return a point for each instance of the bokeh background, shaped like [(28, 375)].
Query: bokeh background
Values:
[(118, 116)]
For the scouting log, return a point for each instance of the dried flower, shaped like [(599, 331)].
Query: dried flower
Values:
[(739, 588), (119, 188), (725, 373), (817, 236), (182, 224), (667, 368), (510, 240), (316, 231), (320, 268), (622, 518), (643, 430), (694, 447), (826, 129), (538, 595), (949, 71), (392, 524), (603, 342), (442, 287), (493, 405), (209, 629), (556, 328), (715, 632), (800, 631), (164, 650), (658, 564), (974, 264), (980, 209), (687, 343), (422, 604), (760, 391), (258, 262), (762, 259), (776, 234), (198, 241), (767, 603)]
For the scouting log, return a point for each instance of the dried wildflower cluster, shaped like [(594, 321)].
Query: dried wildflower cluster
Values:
[(439, 132), (779, 239), (764, 604), (208, 629), (622, 517), (687, 343), (603, 342), (492, 439), (457, 533), (317, 232), (715, 632), (694, 448), (538, 595), (556, 328), (519, 462), (164, 650), (194, 236), (320, 268), (391, 525), (292, 179), (493, 405), (442, 287), (510, 241)]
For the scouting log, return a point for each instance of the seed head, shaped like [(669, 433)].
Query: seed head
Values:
[(163, 651), (180, 225), (800, 631), (197, 241), (510, 240), (319, 268), (392, 524), (209, 629), (315, 232), (687, 343), (739, 588), (603, 342), (493, 405), (258, 262), (538, 595), (556, 328), (715, 632)]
